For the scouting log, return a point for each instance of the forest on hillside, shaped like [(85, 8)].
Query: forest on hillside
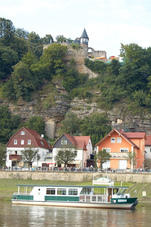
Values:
[(25, 68)]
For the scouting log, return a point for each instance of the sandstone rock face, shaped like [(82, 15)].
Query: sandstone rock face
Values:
[(79, 57)]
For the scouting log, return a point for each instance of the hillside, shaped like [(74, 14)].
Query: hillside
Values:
[(58, 82)]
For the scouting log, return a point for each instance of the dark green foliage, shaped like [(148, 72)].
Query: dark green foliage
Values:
[(96, 66), (36, 123), (35, 44), (8, 58), (2, 155), (8, 123), (66, 155), (71, 124), (128, 81), (96, 125)]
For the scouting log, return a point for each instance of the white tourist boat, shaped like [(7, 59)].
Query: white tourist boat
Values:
[(74, 196)]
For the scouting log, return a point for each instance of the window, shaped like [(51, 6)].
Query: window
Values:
[(50, 191), (112, 140), (15, 141), (119, 139), (22, 133), (123, 149), (29, 142), (107, 149), (61, 191), (64, 142), (22, 142), (73, 191)]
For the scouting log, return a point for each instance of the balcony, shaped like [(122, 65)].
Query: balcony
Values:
[(119, 155), (15, 157)]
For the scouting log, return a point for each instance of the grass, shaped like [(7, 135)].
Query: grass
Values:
[(9, 186)]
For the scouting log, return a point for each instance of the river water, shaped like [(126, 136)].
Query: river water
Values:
[(39, 216)]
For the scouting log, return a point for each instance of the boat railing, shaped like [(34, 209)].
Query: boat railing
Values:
[(21, 193), (93, 198)]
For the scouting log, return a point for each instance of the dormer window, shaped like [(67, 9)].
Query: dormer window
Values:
[(22, 133), (64, 142), (15, 142)]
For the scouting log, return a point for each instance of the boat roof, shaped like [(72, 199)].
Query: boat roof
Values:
[(70, 186)]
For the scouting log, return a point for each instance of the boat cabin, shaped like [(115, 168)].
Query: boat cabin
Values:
[(95, 194)]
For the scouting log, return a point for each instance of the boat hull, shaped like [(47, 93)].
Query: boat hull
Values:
[(75, 204)]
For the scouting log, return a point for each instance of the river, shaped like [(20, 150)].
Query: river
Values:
[(39, 216)]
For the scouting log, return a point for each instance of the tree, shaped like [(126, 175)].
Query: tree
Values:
[(2, 155), (47, 39), (23, 81), (7, 30), (36, 123), (70, 125), (8, 58), (61, 39), (66, 155), (35, 44), (132, 159), (29, 155), (96, 126), (8, 124), (102, 157)]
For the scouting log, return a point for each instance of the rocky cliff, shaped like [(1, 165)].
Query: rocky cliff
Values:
[(52, 103)]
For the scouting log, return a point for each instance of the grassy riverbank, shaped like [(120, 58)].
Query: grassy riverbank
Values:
[(8, 187)]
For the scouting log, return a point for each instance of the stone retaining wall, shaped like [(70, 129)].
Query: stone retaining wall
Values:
[(79, 177)]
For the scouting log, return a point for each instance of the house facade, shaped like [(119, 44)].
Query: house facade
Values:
[(82, 144), (126, 149), (24, 140)]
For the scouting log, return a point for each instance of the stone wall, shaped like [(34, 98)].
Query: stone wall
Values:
[(78, 177)]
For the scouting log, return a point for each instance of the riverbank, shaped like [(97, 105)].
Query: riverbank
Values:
[(8, 187)]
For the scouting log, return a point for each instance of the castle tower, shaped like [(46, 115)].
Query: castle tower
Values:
[(84, 39)]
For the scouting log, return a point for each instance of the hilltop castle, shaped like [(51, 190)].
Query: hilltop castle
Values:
[(91, 53)]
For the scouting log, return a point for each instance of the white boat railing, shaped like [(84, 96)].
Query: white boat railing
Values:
[(21, 193), (93, 198)]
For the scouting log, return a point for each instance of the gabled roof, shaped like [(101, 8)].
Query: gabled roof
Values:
[(39, 141), (121, 134), (134, 135), (79, 142), (148, 140), (84, 34)]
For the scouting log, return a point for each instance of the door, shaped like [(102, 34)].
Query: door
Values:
[(39, 194), (122, 164)]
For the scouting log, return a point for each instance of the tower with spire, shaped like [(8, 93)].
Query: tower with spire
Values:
[(84, 39)]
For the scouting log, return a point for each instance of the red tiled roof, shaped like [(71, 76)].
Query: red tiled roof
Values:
[(38, 140), (79, 141), (134, 135), (120, 132), (148, 140)]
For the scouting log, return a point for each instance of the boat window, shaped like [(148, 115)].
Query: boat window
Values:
[(61, 191), (50, 191), (86, 191), (73, 191)]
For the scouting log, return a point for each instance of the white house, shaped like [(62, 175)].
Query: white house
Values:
[(82, 144), (27, 139)]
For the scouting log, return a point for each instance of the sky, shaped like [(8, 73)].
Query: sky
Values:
[(108, 22)]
